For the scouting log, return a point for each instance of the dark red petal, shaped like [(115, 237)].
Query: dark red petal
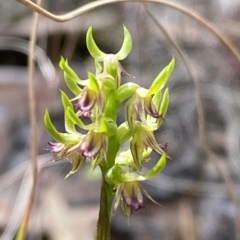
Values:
[(150, 108)]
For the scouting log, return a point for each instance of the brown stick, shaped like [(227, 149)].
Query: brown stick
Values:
[(92, 5), (33, 122), (211, 156)]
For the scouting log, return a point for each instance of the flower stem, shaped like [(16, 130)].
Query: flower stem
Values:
[(107, 196), (103, 224)]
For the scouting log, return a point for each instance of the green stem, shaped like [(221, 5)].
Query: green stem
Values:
[(103, 224), (107, 195), (112, 106)]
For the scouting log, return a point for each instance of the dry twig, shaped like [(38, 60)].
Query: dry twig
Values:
[(33, 121)]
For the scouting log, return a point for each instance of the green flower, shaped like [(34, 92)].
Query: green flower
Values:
[(148, 105), (76, 146), (91, 95), (111, 63), (142, 139), (68, 151), (130, 196), (61, 151), (94, 146), (91, 146), (124, 174), (92, 99), (139, 107)]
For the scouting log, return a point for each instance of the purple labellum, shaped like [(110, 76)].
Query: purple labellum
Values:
[(55, 147), (91, 145), (87, 100), (132, 196)]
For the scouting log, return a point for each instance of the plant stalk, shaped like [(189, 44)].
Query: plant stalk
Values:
[(103, 224)]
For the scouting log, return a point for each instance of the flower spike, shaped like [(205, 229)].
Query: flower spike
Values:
[(94, 135)]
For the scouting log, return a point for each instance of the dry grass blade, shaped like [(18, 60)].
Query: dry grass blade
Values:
[(33, 121), (187, 222), (23, 193), (92, 5), (23, 172), (202, 130)]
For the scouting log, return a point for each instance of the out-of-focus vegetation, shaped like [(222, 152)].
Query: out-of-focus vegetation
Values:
[(195, 200)]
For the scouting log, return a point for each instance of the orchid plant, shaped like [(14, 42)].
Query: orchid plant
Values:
[(98, 99)]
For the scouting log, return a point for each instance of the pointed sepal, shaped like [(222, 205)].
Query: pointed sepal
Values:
[(64, 138), (71, 115), (126, 46), (77, 161), (71, 78), (161, 80), (163, 108), (93, 83), (159, 166), (93, 49), (69, 125)]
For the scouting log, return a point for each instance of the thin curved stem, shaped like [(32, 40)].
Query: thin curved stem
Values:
[(103, 223), (33, 122), (92, 5), (201, 123)]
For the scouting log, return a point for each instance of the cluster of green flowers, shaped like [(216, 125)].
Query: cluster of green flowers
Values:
[(98, 99)]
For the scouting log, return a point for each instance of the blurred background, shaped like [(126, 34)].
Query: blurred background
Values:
[(198, 190)]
